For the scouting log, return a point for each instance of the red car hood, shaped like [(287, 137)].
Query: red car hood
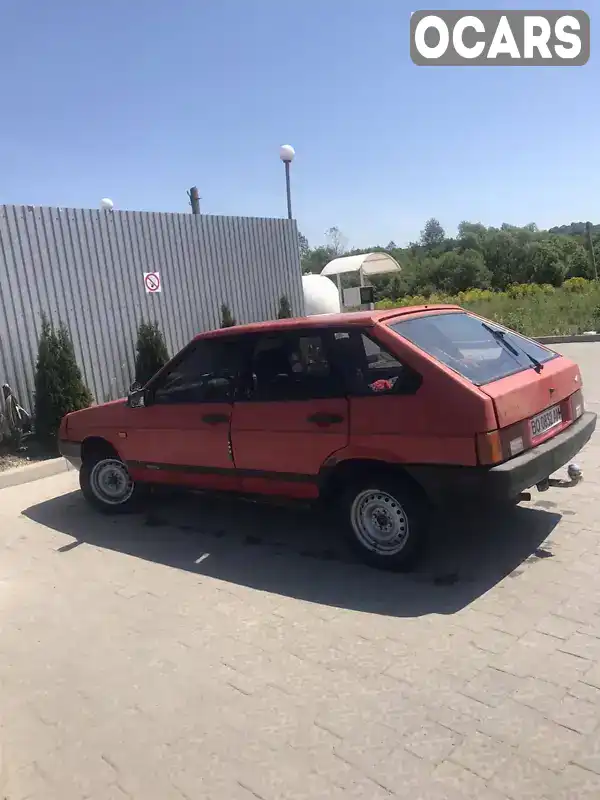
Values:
[(113, 414)]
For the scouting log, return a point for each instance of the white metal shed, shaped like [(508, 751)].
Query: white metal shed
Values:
[(366, 264)]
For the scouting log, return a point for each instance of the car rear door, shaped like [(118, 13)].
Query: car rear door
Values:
[(181, 436), (291, 415), (391, 417)]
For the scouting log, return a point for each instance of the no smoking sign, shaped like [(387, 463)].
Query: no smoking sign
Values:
[(152, 282)]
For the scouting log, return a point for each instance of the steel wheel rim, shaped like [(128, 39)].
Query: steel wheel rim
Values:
[(379, 522), (110, 482)]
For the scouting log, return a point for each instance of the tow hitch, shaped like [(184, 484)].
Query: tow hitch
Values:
[(575, 476)]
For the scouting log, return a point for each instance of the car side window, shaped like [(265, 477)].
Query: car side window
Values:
[(369, 369), (206, 373), (292, 367)]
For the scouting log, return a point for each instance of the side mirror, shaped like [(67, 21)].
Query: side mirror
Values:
[(136, 398)]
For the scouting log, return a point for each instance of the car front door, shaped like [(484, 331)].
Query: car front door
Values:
[(290, 416), (182, 433)]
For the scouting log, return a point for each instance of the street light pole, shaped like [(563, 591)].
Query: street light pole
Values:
[(286, 154), (288, 188), (590, 245)]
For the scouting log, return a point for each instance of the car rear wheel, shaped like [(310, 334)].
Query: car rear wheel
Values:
[(107, 485), (386, 521)]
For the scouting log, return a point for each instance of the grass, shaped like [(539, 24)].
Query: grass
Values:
[(530, 309)]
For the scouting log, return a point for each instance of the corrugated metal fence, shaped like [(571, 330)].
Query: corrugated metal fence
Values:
[(85, 268)]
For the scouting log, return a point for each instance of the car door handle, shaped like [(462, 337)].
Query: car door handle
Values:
[(215, 419), (323, 419)]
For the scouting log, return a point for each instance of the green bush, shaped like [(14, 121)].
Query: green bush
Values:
[(59, 387), (285, 308), (473, 296), (515, 320), (532, 309), (227, 318), (578, 285), (151, 352)]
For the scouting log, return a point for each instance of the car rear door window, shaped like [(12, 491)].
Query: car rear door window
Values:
[(368, 368), (291, 367), (469, 346)]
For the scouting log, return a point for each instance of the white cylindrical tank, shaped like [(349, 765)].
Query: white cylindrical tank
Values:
[(320, 295)]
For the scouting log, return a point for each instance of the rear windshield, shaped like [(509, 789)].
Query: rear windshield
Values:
[(468, 345)]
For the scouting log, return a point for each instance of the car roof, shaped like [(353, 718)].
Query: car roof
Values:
[(349, 319)]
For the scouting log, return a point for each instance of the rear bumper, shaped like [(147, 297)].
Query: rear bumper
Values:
[(505, 481), (71, 451)]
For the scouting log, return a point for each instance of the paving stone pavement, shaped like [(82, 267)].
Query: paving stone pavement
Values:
[(212, 651)]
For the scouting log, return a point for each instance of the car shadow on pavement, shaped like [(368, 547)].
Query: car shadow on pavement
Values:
[(296, 553)]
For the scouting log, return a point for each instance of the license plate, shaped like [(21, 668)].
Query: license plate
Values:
[(543, 422)]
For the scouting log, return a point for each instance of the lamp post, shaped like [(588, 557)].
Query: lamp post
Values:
[(286, 154), (590, 245)]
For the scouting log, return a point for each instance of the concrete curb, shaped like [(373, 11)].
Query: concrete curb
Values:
[(33, 472), (576, 339)]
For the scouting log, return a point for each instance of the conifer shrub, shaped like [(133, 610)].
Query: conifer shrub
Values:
[(151, 352), (59, 386)]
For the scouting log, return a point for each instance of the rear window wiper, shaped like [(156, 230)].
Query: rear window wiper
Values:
[(500, 336), (537, 365)]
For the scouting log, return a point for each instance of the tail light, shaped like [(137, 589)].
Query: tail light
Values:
[(494, 447), (489, 448)]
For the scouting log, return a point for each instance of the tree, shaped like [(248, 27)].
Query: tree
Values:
[(151, 352), (548, 263), (336, 241), (456, 272), (317, 258), (574, 229), (507, 258), (227, 318), (578, 263), (303, 245), (285, 308), (59, 387), (479, 257), (471, 235), (432, 234)]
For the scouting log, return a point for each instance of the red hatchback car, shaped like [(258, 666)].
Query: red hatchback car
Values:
[(382, 413)]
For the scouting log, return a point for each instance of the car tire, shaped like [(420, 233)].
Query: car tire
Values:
[(386, 520), (107, 486)]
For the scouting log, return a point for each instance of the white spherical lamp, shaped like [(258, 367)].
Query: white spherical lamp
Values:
[(286, 153), (106, 204)]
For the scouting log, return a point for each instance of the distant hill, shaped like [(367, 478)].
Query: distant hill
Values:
[(573, 229)]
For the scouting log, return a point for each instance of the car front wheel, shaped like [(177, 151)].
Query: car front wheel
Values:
[(107, 485), (386, 520)]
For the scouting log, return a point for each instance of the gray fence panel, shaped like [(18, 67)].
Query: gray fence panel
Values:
[(85, 268)]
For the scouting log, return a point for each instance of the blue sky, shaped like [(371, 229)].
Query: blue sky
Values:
[(140, 99)]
